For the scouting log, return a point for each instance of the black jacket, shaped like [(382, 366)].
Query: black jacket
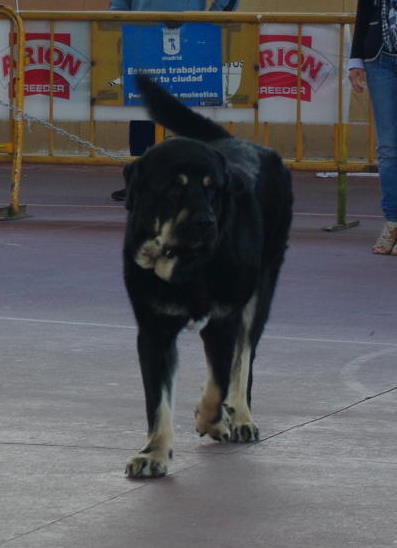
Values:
[(367, 38)]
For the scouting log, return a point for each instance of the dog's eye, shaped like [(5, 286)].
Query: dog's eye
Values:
[(207, 181), (182, 179)]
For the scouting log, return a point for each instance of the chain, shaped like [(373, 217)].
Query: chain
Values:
[(21, 115)]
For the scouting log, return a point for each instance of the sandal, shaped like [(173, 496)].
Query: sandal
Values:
[(386, 244)]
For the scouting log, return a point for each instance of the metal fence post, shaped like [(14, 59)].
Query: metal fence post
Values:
[(15, 210)]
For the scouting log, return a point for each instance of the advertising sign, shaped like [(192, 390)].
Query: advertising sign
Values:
[(239, 49), (186, 60), (69, 82), (317, 60)]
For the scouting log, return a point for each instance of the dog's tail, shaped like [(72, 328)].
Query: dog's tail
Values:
[(166, 110)]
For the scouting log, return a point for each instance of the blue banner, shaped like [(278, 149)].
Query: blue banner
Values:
[(186, 60)]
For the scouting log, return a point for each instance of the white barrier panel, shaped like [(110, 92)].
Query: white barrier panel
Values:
[(4, 66), (71, 76), (318, 57), (278, 55)]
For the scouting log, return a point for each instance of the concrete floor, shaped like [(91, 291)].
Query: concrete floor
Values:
[(324, 473)]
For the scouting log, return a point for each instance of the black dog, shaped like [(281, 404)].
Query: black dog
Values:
[(207, 228)]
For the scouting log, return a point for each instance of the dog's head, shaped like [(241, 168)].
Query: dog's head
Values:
[(175, 196)]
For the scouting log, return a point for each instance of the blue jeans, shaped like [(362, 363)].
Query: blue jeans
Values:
[(382, 85)]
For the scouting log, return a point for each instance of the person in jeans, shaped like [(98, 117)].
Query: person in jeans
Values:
[(143, 131), (373, 60)]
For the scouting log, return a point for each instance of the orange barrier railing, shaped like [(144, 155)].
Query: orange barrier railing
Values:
[(339, 161), (13, 148)]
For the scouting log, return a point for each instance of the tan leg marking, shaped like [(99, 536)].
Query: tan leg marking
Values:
[(212, 418)]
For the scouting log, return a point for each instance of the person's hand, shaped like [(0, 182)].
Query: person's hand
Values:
[(357, 79)]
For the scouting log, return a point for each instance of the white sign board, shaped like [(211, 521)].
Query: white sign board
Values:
[(318, 59), (71, 76)]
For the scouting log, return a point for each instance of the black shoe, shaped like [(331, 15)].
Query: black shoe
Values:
[(119, 195)]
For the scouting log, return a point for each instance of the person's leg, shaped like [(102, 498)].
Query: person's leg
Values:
[(382, 85), (141, 135)]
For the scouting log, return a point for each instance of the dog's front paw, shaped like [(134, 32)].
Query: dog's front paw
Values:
[(218, 428), (245, 433), (243, 428), (150, 465)]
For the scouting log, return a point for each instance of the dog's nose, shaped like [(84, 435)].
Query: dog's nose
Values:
[(169, 252)]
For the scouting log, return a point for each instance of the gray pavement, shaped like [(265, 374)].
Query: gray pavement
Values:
[(323, 475)]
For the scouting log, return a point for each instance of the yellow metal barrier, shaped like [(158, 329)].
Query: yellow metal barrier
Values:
[(339, 161), (14, 148)]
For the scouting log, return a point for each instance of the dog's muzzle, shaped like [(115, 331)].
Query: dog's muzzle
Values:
[(177, 249)]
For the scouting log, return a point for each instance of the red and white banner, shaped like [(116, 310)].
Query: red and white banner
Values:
[(317, 59), (70, 82)]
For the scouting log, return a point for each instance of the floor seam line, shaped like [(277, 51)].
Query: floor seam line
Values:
[(327, 415), (70, 515), (66, 446)]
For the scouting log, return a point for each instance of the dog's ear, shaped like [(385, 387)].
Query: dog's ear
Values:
[(234, 178), (225, 172), (131, 178)]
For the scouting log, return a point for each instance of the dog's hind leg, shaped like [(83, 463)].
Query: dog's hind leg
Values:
[(254, 317), (158, 357), (224, 410), (238, 400), (212, 416)]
